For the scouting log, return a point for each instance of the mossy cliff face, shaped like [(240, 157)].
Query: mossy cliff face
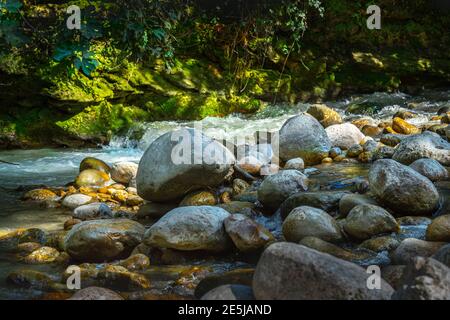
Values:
[(42, 104)]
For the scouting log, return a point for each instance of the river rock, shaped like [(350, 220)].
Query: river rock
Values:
[(278, 187), (303, 136), (103, 240), (402, 189), (91, 178), (350, 200), (405, 114), (431, 169), (69, 223), (33, 235), (288, 271), (239, 186), (190, 228), (12, 239), (96, 293), (295, 164), (246, 234), (230, 292), (443, 255), (31, 279), (392, 140), (367, 220), (439, 229), (124, 172), (385, 243), (307, 221), (76, 200), (325, 200), (40, 195), (335, 152), (42, 255), (371, 131), (134, 200), (121, 278), (424, 279), (411, 248), (325, 115), (344, 135), (94, 163), (354, 151), (401, 126), (169, 169), (426, 145), (28, 247), (136, 262), (334, 250), (93, 211), (251, 165), (199, 198)]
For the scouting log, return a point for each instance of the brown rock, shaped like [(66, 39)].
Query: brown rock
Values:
[(403, 127)]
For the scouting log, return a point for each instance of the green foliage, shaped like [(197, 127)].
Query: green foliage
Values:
[(10, 28), (80, 57)]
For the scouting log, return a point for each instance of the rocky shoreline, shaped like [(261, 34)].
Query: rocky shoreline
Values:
[(128, 218)]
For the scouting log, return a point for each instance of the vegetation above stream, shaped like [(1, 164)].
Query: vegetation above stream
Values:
[(169, 60)]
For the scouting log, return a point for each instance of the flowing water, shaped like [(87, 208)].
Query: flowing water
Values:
[(51, 167)]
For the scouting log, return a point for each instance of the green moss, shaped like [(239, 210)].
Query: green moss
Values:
[(104, 118)]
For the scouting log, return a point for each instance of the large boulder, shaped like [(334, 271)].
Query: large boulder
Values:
[(103, 240), (307, 221), (325, 200), (325, 115), (288, 271), (439, 229), (424, 279), (367, 220), (190, 228), (344, 135), (425, 145), (278, 187), (431, 169), (303, 136), (179, 162), (402, 189)]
